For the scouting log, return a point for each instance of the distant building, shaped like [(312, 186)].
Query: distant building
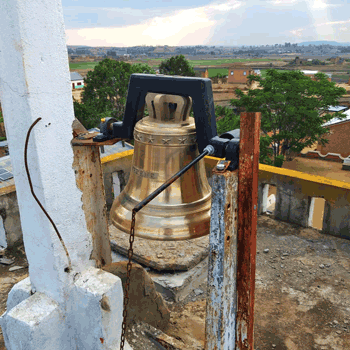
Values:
[(122, 52), (111, 54), (201, 72), (82, 51), (239, 74), (339, 141), (337, 60), (298, 61), (77, 80), (311, 74)]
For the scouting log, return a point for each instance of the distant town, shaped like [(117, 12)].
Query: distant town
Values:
[(283, 50)]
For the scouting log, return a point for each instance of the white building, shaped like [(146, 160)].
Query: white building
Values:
[(77, 80)]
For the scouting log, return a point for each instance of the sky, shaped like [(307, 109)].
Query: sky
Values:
[(202, 22)]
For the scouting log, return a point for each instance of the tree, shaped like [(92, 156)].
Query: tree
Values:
[(293, 108), (227, 119), (177, 65), (105, 91)]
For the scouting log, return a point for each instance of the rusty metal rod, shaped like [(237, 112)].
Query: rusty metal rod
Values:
[(248, 175), (207, 150)]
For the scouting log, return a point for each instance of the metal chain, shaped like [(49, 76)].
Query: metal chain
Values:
[(208, 150), (127, 282)]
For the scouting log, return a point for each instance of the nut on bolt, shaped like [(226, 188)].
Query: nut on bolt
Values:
[(220, 166), (223, 165)]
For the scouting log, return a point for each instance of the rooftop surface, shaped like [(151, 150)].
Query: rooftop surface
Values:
[(337, 108), (5, 163), (302, 293), (75, 76), (337, 120)]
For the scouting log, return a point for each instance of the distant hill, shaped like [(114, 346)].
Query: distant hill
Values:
[(334, 43)]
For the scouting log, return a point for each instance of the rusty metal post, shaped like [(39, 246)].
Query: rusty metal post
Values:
[(220, 324), (232, 247), (89, 179), (248, 173)]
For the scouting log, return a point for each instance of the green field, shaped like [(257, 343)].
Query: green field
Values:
[(226, 61), (214, 71), (263, 73), (340, 76), (83, 65), (213, 62)]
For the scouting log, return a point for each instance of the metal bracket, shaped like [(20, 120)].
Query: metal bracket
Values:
[(225, 146), (86, 139), (199, 89)]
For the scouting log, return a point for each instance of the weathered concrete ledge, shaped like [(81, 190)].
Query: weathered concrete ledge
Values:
[(293, 198), (294, 194), (175, 286)]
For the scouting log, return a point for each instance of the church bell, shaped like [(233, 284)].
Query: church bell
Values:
[(165, 142)]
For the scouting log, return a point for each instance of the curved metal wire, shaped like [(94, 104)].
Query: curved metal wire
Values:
[(36, 198)]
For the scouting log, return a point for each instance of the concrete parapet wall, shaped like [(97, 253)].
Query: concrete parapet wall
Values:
[(116, 163), (294, 193)]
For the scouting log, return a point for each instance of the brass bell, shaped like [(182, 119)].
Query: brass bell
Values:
[(165, 142)]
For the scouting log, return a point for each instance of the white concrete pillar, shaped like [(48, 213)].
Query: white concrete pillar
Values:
[(35, 82)]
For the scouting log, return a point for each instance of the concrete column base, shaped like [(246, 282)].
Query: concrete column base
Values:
[(35, 323), (93, 320)]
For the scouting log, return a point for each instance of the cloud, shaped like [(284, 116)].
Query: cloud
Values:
[(81, 17), (322, 5), (232, 22), (283, 2), (332, 23), (182, 27), (330, 30), (297, 32), (315, 4)]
